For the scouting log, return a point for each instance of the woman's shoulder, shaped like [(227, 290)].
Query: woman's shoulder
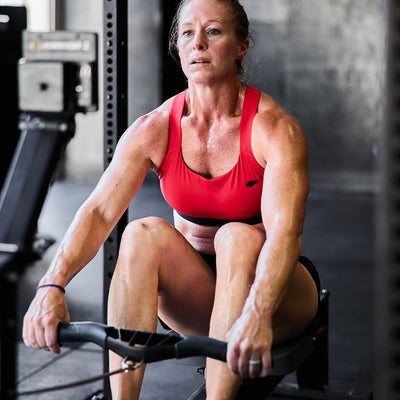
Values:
[(276, 129), (148, 134), (272, 117), (156, 119), (154, 123)]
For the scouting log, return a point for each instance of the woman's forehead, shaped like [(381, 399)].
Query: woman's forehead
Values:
[(212, 10)]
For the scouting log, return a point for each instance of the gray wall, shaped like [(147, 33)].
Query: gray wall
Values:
[(144, 56), (321, 59)]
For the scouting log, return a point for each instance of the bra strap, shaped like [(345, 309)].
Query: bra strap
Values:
[(250, 107), (175, 131)]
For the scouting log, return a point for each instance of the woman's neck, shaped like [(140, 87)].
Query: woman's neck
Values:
[(215, 102)]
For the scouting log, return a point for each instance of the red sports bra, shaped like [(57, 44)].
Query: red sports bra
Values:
[(234, 196)]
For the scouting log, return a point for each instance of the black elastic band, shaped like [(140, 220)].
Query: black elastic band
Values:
[(219, 222), (51, 285)]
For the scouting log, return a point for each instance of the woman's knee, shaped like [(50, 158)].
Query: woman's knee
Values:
[(144, 230), (237, 247), (237, 236), (141, 243)]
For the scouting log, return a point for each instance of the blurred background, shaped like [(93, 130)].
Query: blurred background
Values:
[(324, 61)]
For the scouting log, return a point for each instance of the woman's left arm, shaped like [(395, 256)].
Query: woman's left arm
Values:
[(283, 146)]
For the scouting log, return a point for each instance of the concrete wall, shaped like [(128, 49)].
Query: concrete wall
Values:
[(144, 56), (323, 60)]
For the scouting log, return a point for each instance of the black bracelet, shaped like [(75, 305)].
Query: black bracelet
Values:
[(51, 285)]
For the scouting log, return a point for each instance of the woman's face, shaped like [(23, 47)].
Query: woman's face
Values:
[(207, 44)]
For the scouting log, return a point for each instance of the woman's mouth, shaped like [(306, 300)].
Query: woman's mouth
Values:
[(200, 61)]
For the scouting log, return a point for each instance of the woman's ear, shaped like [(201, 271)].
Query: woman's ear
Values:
[(244, 47)]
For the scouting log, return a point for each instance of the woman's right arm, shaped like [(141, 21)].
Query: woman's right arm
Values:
[(141, 147)]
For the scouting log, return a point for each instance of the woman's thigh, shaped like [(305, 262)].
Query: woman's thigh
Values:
[(186, 296), (185, 285), (298, 306)]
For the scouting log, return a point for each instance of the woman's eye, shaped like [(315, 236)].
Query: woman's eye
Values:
[(214, 31), (186, 33)]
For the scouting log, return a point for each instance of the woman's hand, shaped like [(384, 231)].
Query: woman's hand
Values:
[(249, 344), (46, 311)]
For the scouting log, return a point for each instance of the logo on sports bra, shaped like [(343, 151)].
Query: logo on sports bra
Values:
[(250, 184)]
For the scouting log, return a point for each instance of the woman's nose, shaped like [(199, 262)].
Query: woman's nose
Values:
[(199, 41)]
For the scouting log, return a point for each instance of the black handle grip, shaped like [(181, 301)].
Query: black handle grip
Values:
[(201, 346), (84, 332)]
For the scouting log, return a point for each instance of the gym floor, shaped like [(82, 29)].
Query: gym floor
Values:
[(338, 237)]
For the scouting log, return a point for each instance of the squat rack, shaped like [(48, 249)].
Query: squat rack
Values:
[(115, 62)]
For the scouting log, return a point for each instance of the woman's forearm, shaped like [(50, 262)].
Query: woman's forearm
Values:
[(82, 241), (275, 266)]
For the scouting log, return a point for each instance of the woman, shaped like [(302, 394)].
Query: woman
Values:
[(233, 164)]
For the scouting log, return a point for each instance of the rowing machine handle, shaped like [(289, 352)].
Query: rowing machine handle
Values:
[(91, 331), (201, 346)]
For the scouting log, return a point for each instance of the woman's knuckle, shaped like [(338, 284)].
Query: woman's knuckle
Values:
[(246, 345)]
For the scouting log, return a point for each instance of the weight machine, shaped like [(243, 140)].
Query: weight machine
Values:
[(57, 79)]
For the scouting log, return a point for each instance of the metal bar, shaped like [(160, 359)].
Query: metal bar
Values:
[(313, 374), (387, 278), (8, 352), (10, 50), (115, 122)]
